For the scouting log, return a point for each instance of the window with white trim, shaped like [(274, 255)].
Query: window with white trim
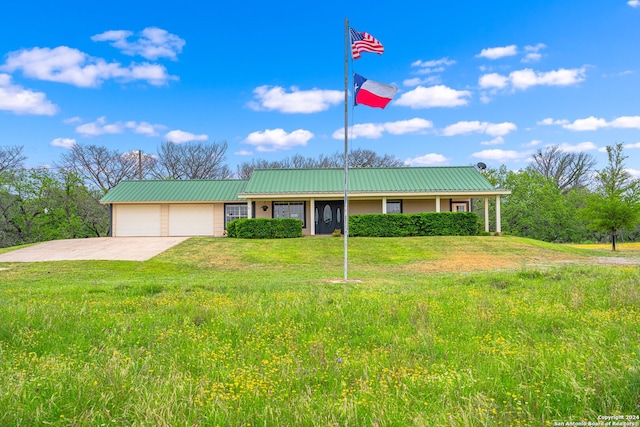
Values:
[(234, 211)]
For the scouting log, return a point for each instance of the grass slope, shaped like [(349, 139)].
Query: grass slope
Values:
[(479, 331)]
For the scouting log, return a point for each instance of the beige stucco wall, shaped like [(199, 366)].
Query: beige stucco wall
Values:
[(218, 219), (357, 207), (416, 206)]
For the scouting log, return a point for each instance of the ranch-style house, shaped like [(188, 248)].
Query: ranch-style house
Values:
[(315, 196)]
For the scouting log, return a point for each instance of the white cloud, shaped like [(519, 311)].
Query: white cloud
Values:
[(67, 65), (407, 126), (72, 120), (532, 57), (532, 143), (434, 96), (533, 53), (420, 81), (433, 66), (144, 128), (362, 130), (243, 153), (495, 141), (549, 121), (63, 142), (592, 123), (498, 52), (636, 145), (376, 130), (493, 80), (278, 139), (626, 122), (633, 172), (577, 148), (18, 100), (492, 129), (431, 159), (180, 136), (524, 79), (501, 155), (634, 3), (275, 98), (100, 127), (153, 43), (433, 63)]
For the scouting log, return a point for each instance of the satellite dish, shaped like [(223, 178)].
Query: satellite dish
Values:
[(481, 166)]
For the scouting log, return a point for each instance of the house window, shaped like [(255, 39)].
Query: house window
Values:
[(459, 207), (394, 206), (232, 212), (289, 210)]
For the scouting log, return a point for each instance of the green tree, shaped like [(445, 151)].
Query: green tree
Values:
[(615, 204), (38, 205), (536, 208)]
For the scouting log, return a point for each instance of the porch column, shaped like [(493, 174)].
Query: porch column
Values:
[(486, 214), (384, 205), (249, 210), (312, 216), (437, 203), (498, 225)]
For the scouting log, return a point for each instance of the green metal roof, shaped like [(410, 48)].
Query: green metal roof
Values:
[(368, 180), (267, 182), (175, 191)]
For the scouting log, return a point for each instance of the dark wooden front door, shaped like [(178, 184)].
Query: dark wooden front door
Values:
[(329, 216)]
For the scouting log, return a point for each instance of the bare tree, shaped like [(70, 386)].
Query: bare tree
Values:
[(192, 160), (569, 170), (358, 158), (105, 168), (11, 157)]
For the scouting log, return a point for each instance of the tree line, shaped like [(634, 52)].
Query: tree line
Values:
[(560, 197)]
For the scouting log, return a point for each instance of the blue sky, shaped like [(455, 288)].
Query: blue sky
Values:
[(477, 81)]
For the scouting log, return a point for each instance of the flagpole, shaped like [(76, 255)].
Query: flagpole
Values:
[(346, 148)]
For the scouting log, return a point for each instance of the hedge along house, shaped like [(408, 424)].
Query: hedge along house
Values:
[(315, 196)]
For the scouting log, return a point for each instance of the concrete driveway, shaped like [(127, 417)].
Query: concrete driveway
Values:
[(100, 248)]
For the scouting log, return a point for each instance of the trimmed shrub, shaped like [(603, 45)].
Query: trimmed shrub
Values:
[(379, 225), (420, 224), (231, 228), (265, 228)]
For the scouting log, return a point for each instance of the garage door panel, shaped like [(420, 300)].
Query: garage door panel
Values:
[(137, 220), (191, 220)]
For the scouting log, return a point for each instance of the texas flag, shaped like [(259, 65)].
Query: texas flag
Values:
[(373, 94)]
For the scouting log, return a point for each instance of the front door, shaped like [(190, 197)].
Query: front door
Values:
[(329, 216)]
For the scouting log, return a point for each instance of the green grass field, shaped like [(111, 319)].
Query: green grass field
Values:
[(473, 331)]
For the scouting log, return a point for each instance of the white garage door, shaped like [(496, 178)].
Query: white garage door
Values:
[(137, 220), (190, 220)]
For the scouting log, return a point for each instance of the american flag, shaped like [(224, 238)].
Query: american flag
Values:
[(364, 42)]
